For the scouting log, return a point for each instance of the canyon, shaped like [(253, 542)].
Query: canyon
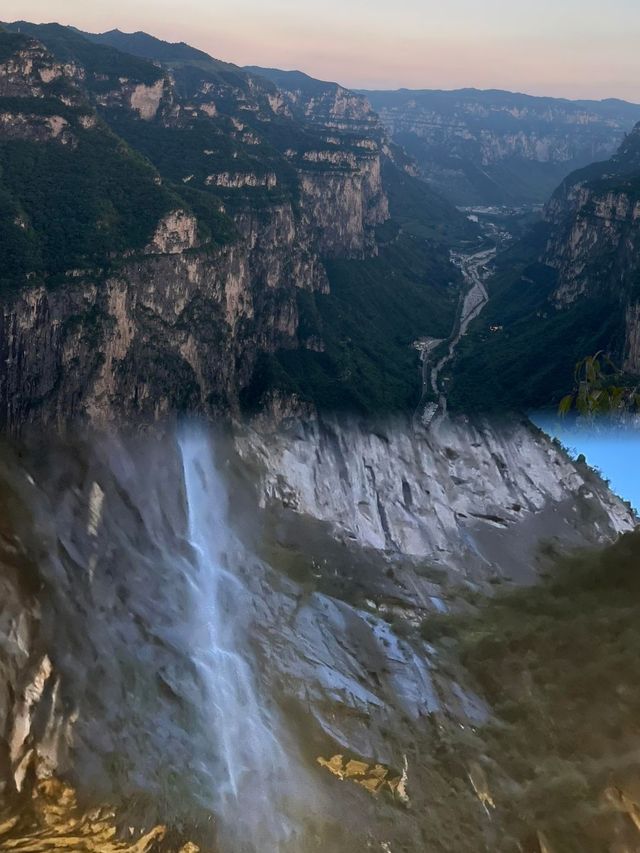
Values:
[(271, 577), (225, 289)]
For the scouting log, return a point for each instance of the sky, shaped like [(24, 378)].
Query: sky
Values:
[(613, 451), (566, 48)]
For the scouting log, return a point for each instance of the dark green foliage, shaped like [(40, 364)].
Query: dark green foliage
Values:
[(375, 310), (11, 43), (600, 390), (529, 360), (181, 57), (88, 202), (68, 45), (79, 204), (558, 664), (424, 213), (214, 227), (19, 250), (293, 81), (146, 46), (42, 107), (179, 153)]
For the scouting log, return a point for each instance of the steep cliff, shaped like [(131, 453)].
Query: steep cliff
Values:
[(493, 147), (388, 739), (334, 113), (566, 291), (455, 494), (182, 234), (595, 241)]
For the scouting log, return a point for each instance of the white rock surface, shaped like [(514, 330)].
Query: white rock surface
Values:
[(457, 493)]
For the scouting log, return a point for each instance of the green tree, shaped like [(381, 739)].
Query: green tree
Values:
[(600, 390)]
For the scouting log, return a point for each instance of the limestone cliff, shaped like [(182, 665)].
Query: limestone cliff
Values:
[(450, 494), (343, 174), (172, 330), (595, 241)]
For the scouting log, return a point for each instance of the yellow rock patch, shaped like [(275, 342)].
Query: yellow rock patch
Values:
[(373, 777), (55, 822)]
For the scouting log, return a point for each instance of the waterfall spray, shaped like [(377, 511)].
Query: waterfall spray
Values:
[(251, 760)]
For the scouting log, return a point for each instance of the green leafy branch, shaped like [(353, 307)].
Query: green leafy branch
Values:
[(598, 391)]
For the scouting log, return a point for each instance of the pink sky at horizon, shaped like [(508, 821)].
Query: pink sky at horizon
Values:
[(565, 48)]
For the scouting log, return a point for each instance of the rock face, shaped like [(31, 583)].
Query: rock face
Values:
[(456, 494), (335, 113), (497, 147), (594, 231), (595, 241), (172, 330), (101, 683)]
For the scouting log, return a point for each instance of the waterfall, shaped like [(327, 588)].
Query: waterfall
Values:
[(251, 761)]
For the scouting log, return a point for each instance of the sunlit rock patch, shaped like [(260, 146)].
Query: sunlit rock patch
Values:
[(480, 785), (53, 820), (373, 777)]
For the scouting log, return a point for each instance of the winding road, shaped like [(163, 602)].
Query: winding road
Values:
[(473, 269)]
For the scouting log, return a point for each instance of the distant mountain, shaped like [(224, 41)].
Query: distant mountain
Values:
[(571, 288), (495, 147), (294, 81)]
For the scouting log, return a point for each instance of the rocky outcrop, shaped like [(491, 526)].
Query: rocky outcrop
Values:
[(594, 243), (239, 180), (31, 71), (21, 126), (36, 731), (632, 339), (145, 100), (177, 232), (53, 679), (595, 232), (345, 207)]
